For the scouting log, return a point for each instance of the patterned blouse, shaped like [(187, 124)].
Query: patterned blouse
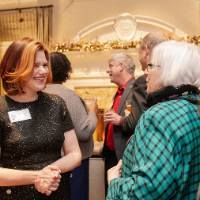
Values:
[(33, 142)]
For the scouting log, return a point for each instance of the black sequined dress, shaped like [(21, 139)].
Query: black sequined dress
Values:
[(34, 143)]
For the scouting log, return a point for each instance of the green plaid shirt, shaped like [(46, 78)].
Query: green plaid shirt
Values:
[(162, 159)]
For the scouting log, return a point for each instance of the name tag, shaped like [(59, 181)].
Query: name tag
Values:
[(19, 115)]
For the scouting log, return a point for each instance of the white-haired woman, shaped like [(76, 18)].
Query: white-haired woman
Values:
[(162, 160)]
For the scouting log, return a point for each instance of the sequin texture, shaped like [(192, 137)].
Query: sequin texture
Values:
[(35, 143)]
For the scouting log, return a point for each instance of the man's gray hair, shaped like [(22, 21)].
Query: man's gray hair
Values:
[(126, 60), (179, 63), (152, 39)]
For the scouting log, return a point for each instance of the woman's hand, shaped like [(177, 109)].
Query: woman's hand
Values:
[(48, 180), (115, 172)]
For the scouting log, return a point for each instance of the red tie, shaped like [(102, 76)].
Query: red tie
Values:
[(116, 102)]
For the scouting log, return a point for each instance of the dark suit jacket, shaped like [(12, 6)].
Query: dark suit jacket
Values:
[(136, 91)]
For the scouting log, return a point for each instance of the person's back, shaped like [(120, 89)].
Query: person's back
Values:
[(84, 122)]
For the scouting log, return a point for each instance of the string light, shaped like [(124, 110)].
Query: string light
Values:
[(90, 46)]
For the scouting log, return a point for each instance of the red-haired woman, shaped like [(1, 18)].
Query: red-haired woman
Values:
[(34, 127)]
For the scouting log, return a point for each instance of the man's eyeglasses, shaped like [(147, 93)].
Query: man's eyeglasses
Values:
[(152, 66)]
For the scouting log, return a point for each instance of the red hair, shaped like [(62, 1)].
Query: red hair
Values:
[(18, 62)]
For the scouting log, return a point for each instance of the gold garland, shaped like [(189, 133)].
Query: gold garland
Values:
[(194, 39), (88, 46)]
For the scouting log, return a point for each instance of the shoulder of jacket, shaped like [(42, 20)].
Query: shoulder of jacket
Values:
[(167, 108)]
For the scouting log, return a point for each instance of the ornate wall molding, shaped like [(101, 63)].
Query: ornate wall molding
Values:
[(137, 19)]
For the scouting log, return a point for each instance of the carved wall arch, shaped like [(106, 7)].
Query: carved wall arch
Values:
[(105, 29)]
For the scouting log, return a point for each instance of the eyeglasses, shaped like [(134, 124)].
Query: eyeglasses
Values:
[(150, 66)]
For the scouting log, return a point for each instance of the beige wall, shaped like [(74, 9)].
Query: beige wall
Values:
[(72, 16), (183, 14)]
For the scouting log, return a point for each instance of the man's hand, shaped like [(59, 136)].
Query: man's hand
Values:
[(112, 117)]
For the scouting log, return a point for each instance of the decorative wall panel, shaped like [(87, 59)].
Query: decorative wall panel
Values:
[(103, 95)]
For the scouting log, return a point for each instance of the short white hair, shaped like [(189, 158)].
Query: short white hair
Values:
[(126, 60), (179, 63)]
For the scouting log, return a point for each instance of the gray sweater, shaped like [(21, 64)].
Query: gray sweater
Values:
[(84, 122)]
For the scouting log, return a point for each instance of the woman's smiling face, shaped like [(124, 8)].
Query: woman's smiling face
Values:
[(38, 79)]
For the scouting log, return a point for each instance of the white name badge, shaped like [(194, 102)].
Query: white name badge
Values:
[(19, 115)]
